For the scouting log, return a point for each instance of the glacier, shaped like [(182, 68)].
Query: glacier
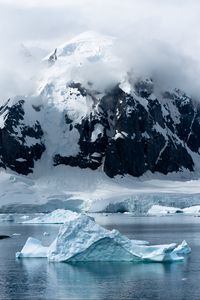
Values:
[(76, 189), (82, 239)]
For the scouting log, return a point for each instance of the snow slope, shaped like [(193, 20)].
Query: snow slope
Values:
[(89, 44), (79, 59)]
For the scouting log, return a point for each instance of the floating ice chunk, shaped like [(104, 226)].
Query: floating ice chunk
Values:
[(183, 248), (158, 210), (160, 253), (81, 239), (32, 248), (46, 233), (16, 234), (192, 210), (58, 216), (84, 240)]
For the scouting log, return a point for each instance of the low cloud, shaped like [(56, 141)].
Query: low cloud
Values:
[(154, 38)]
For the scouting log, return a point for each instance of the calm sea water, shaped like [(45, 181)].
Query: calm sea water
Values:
[(38, 279)]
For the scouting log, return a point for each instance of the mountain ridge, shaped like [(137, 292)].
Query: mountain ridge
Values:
[(125, 128)]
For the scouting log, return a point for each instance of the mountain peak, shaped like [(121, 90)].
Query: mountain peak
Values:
[(86, 44)]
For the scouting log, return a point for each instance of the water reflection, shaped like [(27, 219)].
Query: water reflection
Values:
[(99, 280)]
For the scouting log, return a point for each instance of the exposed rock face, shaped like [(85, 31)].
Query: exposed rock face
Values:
[(147, 138), (123, 133), (20, 144)]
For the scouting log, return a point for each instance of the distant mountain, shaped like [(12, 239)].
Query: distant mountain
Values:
[(125, 129)]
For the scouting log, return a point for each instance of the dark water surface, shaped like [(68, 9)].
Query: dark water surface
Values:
[(38, 279)]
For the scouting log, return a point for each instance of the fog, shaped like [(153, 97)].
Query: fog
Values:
[(156, 38)]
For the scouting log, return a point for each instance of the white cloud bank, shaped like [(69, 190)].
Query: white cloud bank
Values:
[(155, 37)]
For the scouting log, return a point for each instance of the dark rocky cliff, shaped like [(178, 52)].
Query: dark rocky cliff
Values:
[(123, 134)]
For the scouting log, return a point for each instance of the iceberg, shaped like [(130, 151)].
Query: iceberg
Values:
[(192, 210), (159, 210), (85, 240), (58, 216), (46, 233), (32, 248), (82, 239)]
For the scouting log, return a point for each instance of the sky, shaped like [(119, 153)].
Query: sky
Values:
[(156, 38)]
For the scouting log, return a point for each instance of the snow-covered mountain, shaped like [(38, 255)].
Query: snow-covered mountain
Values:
[(88, 45), (123, 128)]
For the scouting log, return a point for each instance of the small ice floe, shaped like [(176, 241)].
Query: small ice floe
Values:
[(82, 239), (16, 234), (46, 233)]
